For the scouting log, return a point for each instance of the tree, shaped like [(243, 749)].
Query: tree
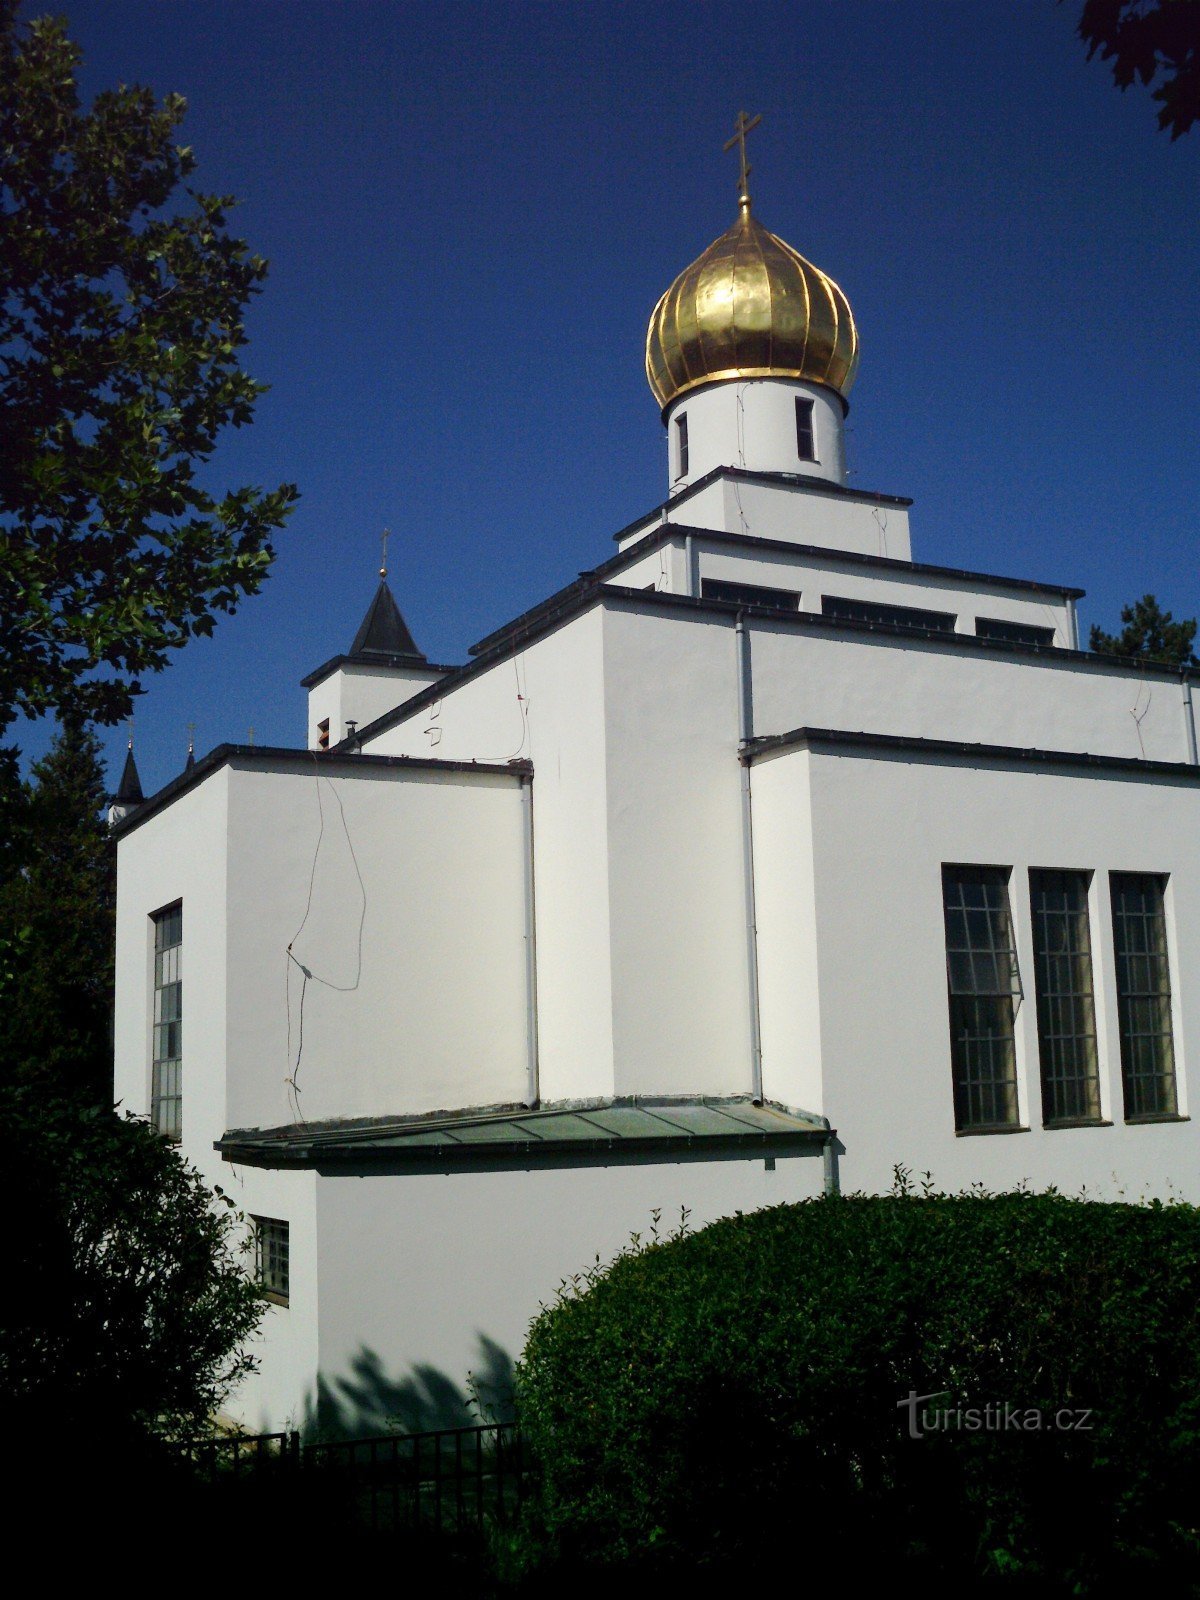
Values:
[(128, 1305), (1149, 39), (57, 899), (121, 324), (860, 1361), (1150, 634)]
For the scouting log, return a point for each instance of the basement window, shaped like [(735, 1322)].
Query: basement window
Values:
[(749, 594), (806, 441), (1013, 632), (681, 446), (845, 610), (272, 1265), (323, 734)]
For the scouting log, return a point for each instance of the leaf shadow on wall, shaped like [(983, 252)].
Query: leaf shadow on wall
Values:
[(367, 1400)]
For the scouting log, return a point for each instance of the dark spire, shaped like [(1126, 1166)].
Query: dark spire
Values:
[(384, 631), (129, 790)]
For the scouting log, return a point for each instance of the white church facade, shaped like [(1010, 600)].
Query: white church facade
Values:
[(758, 861)]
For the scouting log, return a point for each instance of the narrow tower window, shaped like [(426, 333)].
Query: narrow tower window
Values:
[(806, 444), (166, 1088), (681, 446)]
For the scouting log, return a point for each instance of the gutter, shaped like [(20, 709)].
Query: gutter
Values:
[(745, 699)]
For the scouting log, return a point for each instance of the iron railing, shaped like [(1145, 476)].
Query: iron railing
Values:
[(454, 1480)]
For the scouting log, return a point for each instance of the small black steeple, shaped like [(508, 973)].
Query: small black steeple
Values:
[(384, 631), (129, 790)]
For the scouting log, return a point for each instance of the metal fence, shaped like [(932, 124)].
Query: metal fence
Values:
[(452, 1481)]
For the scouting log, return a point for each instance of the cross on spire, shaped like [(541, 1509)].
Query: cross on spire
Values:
[(383, 562), (741, 128)]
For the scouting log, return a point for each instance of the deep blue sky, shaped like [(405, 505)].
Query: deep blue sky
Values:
[(470, 211)]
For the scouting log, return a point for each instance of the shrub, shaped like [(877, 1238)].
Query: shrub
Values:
[(738, 1394)]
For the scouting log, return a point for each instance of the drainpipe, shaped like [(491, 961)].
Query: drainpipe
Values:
[(1072, 623), (1189, 717), (832, 1183), (689, 561), (745, 732), (532, 1084)]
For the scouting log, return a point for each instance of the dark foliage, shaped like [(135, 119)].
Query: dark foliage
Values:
[(1149, 633), (57, 895), (121, 324), (128, 1300), (1150, 40), (734, 1398)]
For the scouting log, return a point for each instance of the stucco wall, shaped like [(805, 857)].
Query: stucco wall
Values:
[(428, 1277), (676, 887), (547, 703), (430, 1010), (884, 683), (881, 828)]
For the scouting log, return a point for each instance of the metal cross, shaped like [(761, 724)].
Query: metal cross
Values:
[(383, 563), (742, 127)]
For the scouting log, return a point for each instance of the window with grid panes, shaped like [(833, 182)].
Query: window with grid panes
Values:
[(1066, 1008), (272, 1267), (1143, 994), (166, 1088), (983, 982)]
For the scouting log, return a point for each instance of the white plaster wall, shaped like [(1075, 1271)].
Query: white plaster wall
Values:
[(181, 855), (676, 885), (360, 694), (281, 1392), (558, 721), (434, 1015), (751, 423), (178, 855), (882, 827), (704, 509), (789, 951), (421, 1269), (888, 684), (807, 516)]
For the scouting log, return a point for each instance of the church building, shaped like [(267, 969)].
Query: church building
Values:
[(758, 860)]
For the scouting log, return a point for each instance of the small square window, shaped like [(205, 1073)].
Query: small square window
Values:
[(323, 734), (271, 1258)]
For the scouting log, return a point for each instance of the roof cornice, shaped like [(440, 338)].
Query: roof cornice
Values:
[(841, 740), (317, 761)]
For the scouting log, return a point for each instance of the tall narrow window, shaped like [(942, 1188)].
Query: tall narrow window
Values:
[(681, 446), (1066, 1008), (272, 1258), (981, 969), (166, 1090), (1143, 994), (806, 442)]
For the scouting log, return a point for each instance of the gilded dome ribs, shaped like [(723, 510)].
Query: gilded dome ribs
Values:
[(750, 306)]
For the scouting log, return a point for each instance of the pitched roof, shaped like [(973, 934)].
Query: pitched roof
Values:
[(384, 631)]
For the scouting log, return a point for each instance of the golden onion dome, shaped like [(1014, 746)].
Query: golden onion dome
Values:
[(750, 307)]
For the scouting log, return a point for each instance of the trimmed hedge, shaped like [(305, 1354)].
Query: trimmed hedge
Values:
[(735, 1396)]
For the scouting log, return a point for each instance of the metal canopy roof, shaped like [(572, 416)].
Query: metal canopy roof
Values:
[(611, 1127)]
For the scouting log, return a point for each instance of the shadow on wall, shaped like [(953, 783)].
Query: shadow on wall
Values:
[(368, 1401)]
